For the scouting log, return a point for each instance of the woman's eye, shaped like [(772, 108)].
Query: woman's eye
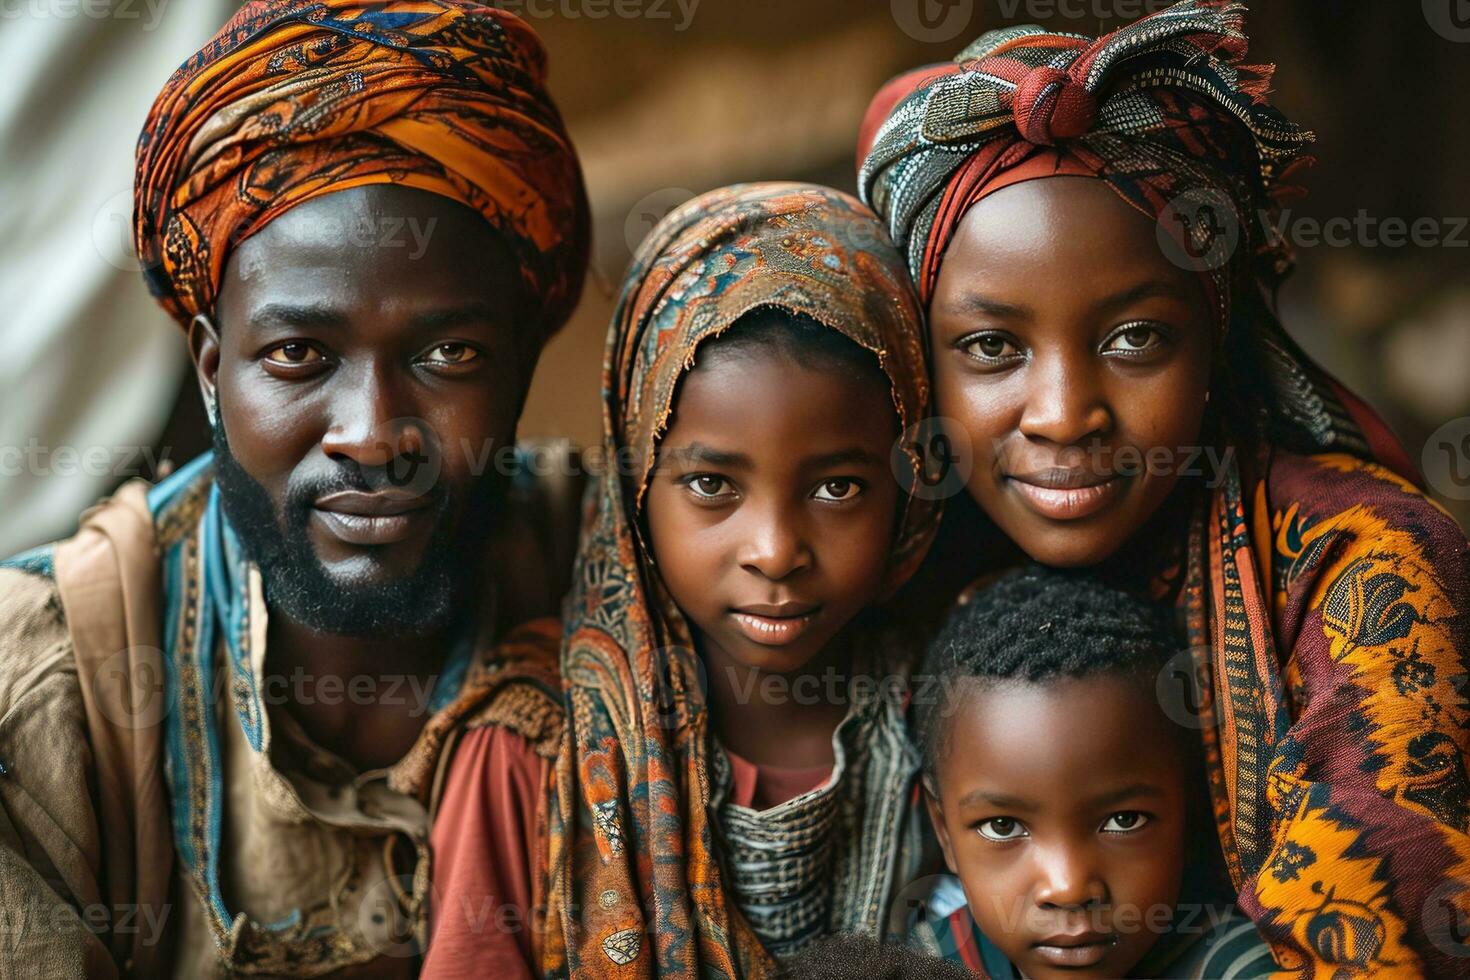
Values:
[(1124, 822), (990, 347), (1002, 829), (295, 352), (708, 486), (834, 490), (1135, 340), (453, 353)]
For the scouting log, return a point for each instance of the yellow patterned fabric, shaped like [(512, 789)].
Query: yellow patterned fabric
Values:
[(1330, 605)]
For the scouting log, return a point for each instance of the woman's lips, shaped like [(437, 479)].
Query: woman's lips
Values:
[(1085, 950), (368, 519), (774, 625), (1067, 499)]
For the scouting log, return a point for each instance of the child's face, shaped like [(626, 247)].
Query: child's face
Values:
[(1062, 809), (1076, 356), (771, 510)]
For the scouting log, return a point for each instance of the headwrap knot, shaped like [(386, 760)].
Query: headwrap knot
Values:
[(1051, 105)]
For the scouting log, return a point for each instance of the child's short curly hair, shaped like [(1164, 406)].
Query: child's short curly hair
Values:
[(1034, 625), (862, 958)]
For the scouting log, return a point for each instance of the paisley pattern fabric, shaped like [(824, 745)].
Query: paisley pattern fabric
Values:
[(294, 99), (636, 881), (1329, 613), (1327, 598)]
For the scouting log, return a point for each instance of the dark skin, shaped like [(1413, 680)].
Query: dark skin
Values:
[(1061, 806), (334, 347), (1077, 358), (771, 515)]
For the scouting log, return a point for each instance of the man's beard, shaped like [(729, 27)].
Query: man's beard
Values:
[(299, 586)]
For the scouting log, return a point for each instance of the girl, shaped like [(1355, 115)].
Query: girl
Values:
[(727, 789), (1084, 223)]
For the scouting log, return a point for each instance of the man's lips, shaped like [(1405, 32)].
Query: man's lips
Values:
[(774, 624), (1077, 949), (366, 519), (1067, 494)]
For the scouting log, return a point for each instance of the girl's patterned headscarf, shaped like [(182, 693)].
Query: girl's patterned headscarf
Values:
[(1164, 111), (632, 861), (294, 99)]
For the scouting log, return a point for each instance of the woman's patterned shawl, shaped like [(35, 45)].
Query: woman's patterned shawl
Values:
[(1326, 599)]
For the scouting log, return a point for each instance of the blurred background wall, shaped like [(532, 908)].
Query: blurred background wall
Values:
[(668, 98)]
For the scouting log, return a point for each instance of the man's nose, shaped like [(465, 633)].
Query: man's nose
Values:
[(372, 426)]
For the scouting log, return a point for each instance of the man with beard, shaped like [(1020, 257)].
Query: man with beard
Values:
[(225, 701)]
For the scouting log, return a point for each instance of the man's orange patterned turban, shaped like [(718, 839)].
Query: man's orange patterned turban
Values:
[(294, 99)]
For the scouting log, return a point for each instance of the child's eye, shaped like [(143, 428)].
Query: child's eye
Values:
[(834, 490), (989, 347), (1002, 829), (1124, 822), (708, 487), (294, 352), (1135, 338)]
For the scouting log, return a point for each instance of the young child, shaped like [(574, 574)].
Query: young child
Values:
[(726, 792), (1068, 803)]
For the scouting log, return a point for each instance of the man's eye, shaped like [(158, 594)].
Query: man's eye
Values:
[(452, 353), (1135, 339), (1124, 822), (1002, 829), (990, 347), (708, 487), (295, 352), (837, 490)]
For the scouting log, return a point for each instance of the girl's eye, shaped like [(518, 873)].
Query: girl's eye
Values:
[(1124, 822), (990, 347), (1135, 339), (708, 487), (294, 352), (835, 490), (453, 353), (1002, 829)]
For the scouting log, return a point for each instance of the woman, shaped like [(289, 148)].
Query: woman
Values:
[(1082, 220)]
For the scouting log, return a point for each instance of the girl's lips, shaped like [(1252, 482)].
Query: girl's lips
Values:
[(1068, 503), (772, 631)]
